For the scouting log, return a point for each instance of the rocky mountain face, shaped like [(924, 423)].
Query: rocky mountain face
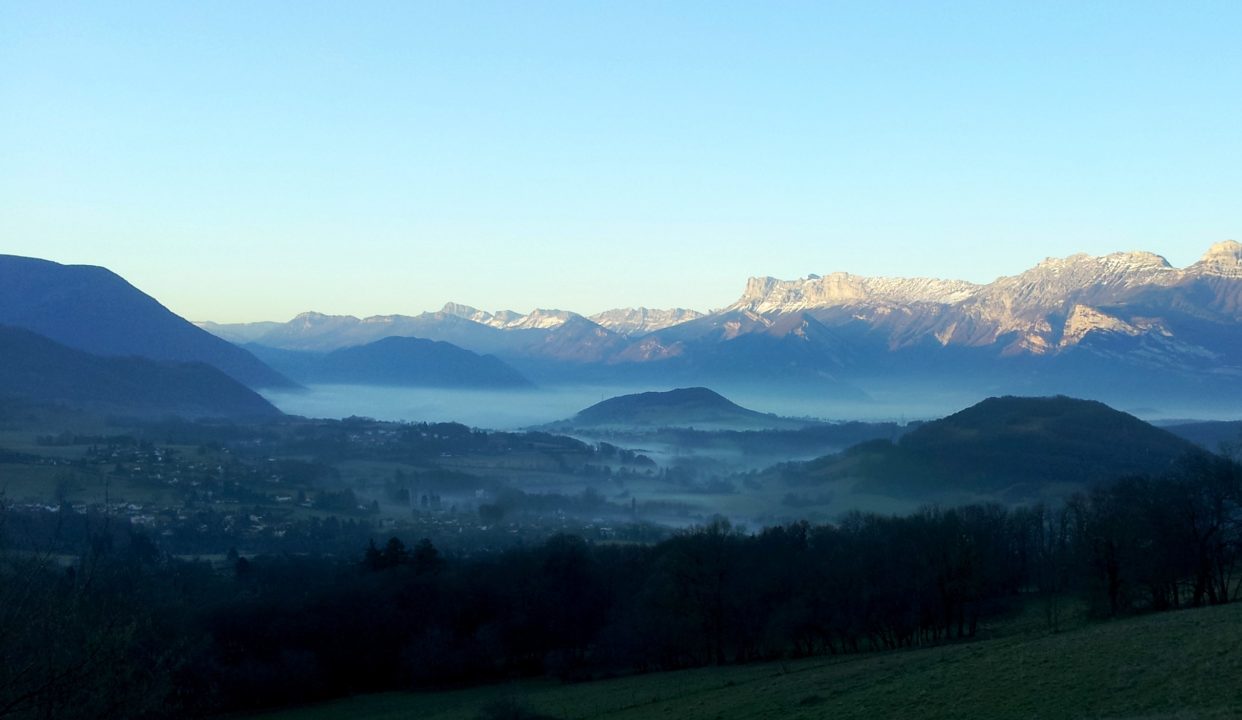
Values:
[(1057, 306), (1125, 320), (633, 322), (509, 320), (769, 295), (552, 335), (1052, 307), (454, 322)]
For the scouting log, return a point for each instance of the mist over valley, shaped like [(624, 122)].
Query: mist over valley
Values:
[(564, 361), (795, 476)]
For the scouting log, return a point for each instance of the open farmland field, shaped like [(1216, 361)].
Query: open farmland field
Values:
[(1185, 665)]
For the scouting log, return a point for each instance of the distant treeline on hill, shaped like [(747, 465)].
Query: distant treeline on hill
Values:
[(127, 631)]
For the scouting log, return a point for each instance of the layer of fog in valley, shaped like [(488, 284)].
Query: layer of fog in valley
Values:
[(514, 409), (681, 476), (492, 409), (695, 475)]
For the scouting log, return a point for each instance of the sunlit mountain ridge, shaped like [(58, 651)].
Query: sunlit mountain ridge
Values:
[(1125, 327)]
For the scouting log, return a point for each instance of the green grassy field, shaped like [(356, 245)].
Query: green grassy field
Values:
[(1183, 665), (21, 482)]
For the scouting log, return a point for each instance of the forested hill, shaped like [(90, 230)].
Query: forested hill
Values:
[(1018, 446), (1210, 434), (292, 629), (37, 368), (1054, 438), (95, 310), (684, 407)]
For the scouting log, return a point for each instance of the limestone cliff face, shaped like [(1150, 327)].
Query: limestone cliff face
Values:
[(1224, 259), (766, 295), (1045, 310), (1133, 306)]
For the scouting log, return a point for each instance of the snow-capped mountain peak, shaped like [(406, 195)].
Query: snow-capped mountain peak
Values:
[(1043, 310), (474, 314), (508, 319), (633, 322), (540, 319), (1134, 306), (313, 319)]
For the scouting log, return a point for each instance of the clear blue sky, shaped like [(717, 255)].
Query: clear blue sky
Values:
[(250, 160)]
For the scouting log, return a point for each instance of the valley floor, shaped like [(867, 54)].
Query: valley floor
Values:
[(1180, 665)]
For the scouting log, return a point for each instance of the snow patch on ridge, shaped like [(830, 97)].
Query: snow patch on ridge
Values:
[(633, 322)]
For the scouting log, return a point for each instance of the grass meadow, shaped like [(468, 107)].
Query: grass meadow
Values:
[(1180, 665)]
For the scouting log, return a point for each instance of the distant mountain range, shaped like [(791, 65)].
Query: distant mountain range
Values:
[(550, 334), (696, 407), (1058, 305), (396, 361), (1212, 435), (37, 368), (93, 309), (1126, 327), (633, 322), (1010, 448)]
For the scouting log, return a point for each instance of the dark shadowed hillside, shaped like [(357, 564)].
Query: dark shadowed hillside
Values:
[(93, 309), (31, 366), (1019, 447), (396, 361)]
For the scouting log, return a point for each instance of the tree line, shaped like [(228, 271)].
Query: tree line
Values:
[(125, 630)]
